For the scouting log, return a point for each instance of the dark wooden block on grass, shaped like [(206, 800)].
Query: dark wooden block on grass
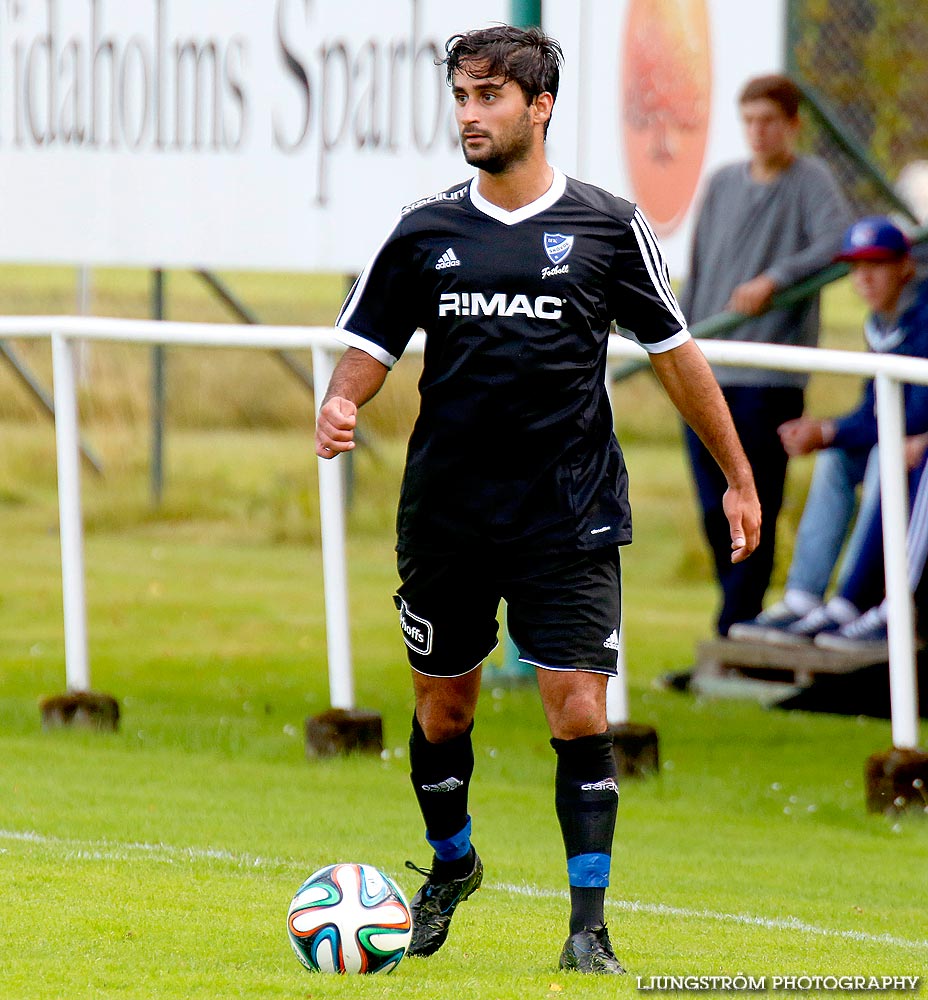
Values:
[(635, 749), (897, 781), (344, 731), (87, 709)]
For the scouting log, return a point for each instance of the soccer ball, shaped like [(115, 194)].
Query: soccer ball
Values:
[(349, 918)]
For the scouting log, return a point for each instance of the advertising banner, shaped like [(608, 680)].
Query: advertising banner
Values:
[(287, 134), (267, 134)]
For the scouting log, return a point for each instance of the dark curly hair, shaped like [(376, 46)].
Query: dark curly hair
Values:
[(527, 56)]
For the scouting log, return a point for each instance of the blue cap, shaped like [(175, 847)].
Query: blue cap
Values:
[(873, 238)]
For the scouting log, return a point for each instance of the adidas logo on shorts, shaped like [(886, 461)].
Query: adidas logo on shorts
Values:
[(448, 259), (613, 641)]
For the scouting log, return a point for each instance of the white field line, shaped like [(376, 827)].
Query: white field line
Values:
[(104, 850), (745, 919)]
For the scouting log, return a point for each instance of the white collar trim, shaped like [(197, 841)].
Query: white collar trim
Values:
[(558, 186)]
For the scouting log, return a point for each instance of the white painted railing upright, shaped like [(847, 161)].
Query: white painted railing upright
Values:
[(903, 688), (77, 664), (334, 562)]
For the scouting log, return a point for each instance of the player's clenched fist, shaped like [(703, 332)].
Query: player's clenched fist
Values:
[(335, 427)]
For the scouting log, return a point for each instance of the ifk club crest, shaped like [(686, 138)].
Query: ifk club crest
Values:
[(558, 246)]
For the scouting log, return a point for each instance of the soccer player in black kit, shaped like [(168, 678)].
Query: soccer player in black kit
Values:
[(515, 486)]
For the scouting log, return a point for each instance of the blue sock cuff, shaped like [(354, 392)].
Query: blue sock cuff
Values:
[(452, 848), (589, 870)]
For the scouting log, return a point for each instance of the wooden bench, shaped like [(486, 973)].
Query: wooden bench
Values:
[(767, 671)]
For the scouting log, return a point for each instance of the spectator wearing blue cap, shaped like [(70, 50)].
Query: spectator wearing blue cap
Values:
[(883, 275)]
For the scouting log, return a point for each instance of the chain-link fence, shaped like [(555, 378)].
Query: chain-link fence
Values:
[(864, 65)]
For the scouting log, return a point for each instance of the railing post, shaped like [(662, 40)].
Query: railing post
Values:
[(903, 685), (69, 513), (617, 710), (332, 516), (157, 394)]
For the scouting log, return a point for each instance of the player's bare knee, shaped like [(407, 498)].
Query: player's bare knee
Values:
[(445, 705), (439, 727), (572, 727), (442, 719), (574, 702), (578, 713)]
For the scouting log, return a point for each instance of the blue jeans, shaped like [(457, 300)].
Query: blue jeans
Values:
[(863, 576), (827, 516)]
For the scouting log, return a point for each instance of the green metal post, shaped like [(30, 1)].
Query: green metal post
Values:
[(790, 37), (157, 394), (31, 382), (525, 13)]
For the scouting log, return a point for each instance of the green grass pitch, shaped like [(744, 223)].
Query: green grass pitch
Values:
[(160, 861)]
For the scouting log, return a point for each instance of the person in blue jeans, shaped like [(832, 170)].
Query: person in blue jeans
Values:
[(868, 633), (883, 274)]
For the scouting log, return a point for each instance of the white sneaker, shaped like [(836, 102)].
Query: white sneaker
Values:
[(866, 634), (767, 626)]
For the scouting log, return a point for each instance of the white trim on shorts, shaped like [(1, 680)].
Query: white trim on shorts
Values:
[(568, 670), (448, 677)]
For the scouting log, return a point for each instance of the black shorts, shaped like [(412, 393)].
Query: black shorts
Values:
[(563, 610)]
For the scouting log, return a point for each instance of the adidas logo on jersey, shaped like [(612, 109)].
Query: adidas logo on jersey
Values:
[(613, 641), (448, 259), (499, 304)]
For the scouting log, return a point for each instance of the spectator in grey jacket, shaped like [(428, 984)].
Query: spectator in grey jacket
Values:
[(762, 225)]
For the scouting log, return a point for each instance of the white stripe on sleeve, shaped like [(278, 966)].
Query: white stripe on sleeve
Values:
[(657, 269), (351, 303)]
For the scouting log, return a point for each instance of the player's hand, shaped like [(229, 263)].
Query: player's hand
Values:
[(914, 449), (804, 435), (335, 427), (742, 508), (753, 296)]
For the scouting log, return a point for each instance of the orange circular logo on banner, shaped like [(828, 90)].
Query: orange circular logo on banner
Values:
[(666, 85)]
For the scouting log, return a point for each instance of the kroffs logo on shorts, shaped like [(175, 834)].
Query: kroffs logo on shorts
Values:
[(417, 632)]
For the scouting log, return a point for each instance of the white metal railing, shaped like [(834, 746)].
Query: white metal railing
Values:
[(889, 372)]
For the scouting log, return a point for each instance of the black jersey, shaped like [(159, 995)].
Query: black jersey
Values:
[(514, 442)]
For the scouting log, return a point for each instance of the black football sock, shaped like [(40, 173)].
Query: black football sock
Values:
[(440, 775), (586, 799)]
